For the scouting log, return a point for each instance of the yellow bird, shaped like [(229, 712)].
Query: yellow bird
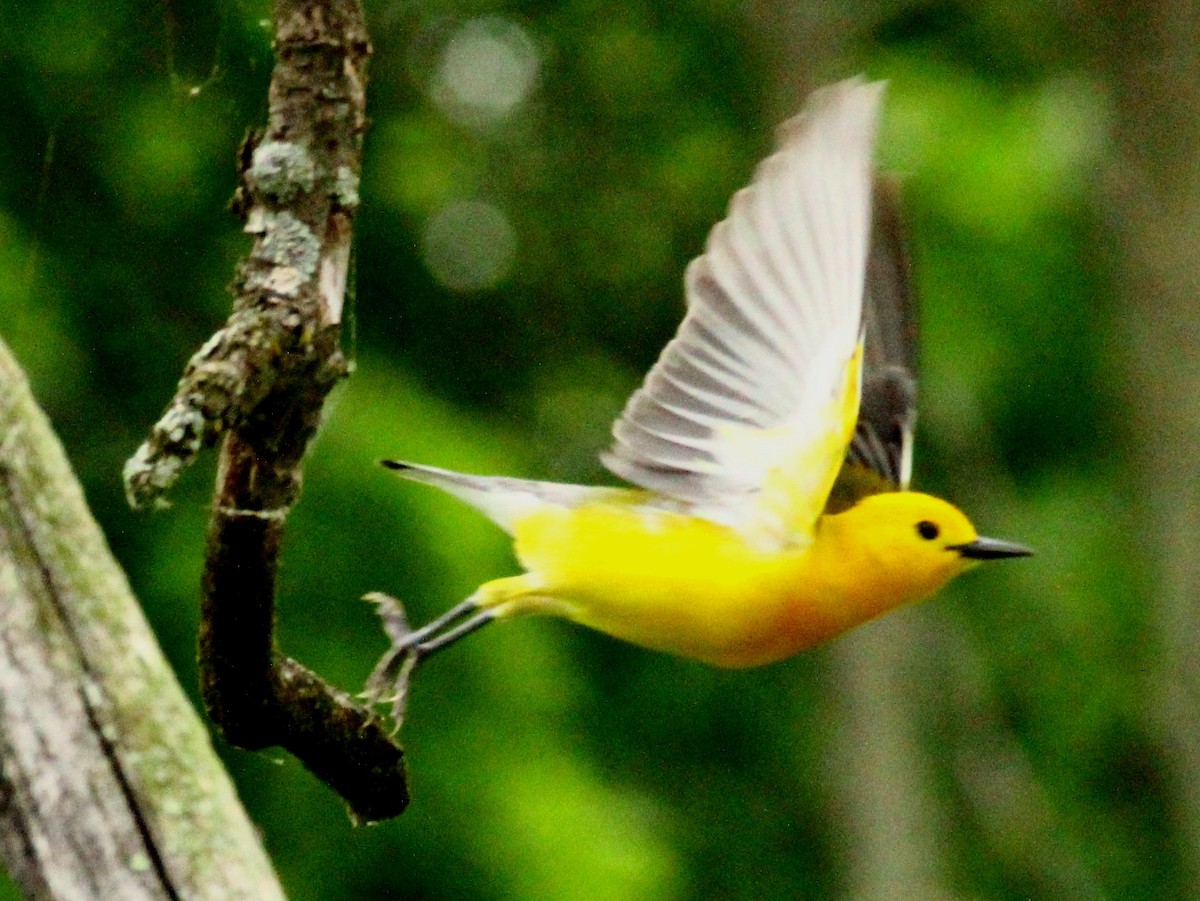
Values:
[(771, 443)]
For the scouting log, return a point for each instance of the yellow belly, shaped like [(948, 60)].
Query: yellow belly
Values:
[(674, 583)]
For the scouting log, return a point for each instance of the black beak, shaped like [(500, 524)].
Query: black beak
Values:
[(991, 549)]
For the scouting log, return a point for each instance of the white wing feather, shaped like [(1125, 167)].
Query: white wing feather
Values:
[(751, 392)]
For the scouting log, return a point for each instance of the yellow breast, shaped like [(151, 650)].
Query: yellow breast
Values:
[(681, 584)]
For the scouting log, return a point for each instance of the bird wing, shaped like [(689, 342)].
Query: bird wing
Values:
[(746, 416), (880, 454)]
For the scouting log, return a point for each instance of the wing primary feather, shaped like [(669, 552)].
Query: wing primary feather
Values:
[(724, 278), (888, 412), (748, 236), (697, 401), (670, 444), (756, 380)]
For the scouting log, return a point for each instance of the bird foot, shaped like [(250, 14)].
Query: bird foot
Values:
[(388, 682)]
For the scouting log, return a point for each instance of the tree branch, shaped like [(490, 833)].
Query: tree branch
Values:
[(261, 381)]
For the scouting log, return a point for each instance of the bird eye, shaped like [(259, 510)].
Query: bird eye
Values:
[(928, 530)]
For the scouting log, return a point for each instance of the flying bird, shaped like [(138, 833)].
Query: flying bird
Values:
[(770, 445)]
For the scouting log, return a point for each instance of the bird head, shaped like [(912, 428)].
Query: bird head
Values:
[(916, 543)]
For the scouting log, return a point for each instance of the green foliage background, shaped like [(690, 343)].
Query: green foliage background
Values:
[(546, 762)]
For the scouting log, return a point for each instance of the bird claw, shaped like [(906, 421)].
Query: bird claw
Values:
[(388, 682)]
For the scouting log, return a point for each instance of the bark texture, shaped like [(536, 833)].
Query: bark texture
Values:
[(109, 787)]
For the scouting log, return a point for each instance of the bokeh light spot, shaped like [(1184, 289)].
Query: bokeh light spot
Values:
[(469, 245), (489, 67)]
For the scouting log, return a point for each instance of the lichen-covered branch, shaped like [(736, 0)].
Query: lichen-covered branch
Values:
[(261, 382), (109, 787), (224, 382)]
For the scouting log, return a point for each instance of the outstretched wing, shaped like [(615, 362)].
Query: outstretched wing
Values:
[(880, 454), (746, 416)]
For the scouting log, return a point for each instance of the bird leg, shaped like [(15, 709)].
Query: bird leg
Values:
[(388, 682)]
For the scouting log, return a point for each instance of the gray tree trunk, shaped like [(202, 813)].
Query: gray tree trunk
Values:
[(109, 786)]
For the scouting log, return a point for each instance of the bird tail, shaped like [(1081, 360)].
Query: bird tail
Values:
[(501, 499)]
